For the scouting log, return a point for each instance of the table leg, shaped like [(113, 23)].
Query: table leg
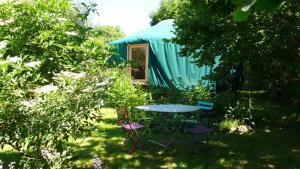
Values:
[(155, 142)]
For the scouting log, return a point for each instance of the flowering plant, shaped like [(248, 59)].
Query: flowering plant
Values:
[(52, 80)]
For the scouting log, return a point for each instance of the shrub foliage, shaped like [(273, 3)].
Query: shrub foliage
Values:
[(52, 79)]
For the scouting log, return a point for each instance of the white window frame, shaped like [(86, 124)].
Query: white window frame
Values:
[(146, 46)]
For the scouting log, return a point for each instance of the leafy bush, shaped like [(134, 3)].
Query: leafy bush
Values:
[(34, 120), (123, 93), (236, 107), (229, 124), (50, 32), (52, 79), (181, 95)]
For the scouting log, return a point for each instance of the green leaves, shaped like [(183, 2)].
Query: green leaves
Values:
[(107, 33), (167, 10), (4, 65), (261, 46), (124, 94), (240, 15), (243, 10), (267, 5), (51, 31), (243, 5), (42, 43)]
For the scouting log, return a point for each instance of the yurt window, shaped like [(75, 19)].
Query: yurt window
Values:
[(138, 57)]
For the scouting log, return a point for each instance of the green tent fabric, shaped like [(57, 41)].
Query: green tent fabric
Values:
[(164, 64)]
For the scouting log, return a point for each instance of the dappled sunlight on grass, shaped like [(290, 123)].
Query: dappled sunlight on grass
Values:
[(266, 148), (218, 143), (169, 165), (259, 149), (224, 162)]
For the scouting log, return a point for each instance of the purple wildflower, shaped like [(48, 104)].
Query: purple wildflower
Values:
[(46, 154), (97, 162)]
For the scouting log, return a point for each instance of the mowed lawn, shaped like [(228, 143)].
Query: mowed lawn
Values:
[(270, 147)]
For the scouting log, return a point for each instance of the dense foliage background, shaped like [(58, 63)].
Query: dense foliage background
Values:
[(108, 32)]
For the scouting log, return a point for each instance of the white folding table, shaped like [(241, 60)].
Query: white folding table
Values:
[(167, 108)]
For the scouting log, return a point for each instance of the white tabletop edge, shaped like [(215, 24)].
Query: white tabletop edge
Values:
[(171, 108)]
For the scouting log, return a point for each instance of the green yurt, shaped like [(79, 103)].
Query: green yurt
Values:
[(156, 61)]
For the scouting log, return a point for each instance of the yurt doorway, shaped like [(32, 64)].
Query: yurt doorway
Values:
[(138, 56)]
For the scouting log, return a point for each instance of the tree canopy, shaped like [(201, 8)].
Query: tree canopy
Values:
[(242, 8), (108, 32), (166, 10), (264, 48), (250, 38)]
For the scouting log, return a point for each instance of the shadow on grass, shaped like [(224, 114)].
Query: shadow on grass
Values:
[(272, 148), (9, 156)]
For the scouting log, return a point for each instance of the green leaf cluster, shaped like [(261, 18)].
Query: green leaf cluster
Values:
[(108, 32), (53, 77), (166, 10), (124, 94), (52, 32)]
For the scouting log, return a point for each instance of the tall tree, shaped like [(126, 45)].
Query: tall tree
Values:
[(107, 32), (265, 45), (166, 10)]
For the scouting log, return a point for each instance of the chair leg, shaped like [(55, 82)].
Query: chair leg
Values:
[(144, 130), (194, 144), (147, 128), (134, 138), (133, 146), (127, 137), (137, 138)]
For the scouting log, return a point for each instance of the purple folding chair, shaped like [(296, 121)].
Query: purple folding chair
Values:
[(196, 131), (130, 129), (200, 130)]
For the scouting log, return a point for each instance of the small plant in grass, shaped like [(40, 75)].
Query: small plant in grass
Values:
[(124, 96), (238, 111), (229, 124), (241, 110)]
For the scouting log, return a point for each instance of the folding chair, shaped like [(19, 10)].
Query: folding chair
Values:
[(196, 131), (205, 108), (130, 129), (205, 105), (200, 130), (202, 118), (207, 111), (200, 125)]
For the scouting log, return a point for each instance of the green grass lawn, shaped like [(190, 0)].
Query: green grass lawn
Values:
[(272, 147)]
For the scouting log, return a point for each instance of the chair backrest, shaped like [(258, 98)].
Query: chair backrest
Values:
[(205, 105)]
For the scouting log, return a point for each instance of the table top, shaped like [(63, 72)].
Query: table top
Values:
[(170, 108)]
